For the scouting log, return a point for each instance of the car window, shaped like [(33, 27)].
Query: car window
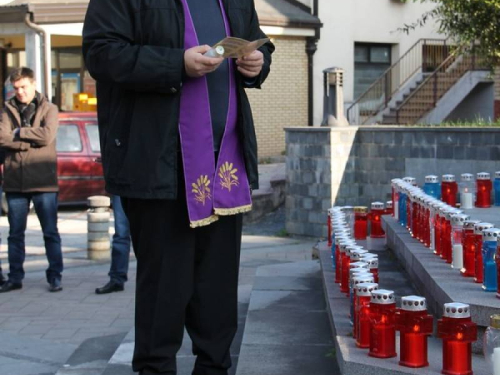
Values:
[(68, 138), (93, 134)]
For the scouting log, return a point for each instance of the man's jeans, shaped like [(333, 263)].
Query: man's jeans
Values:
[(46, 210), (120, 252)]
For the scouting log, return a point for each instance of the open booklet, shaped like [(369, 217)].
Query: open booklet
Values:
[(233, 48)]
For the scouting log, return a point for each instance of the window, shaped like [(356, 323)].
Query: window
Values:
[(68, 139), (370, 62), (93, 134)]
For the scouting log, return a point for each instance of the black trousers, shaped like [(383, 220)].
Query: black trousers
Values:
[(185, 278)]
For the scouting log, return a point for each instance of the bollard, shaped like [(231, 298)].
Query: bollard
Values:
[(98, 215)]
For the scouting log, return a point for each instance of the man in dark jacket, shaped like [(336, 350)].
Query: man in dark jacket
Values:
[(28, 129), (179, 147)]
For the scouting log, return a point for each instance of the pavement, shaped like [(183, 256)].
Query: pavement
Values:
[(283, 324)]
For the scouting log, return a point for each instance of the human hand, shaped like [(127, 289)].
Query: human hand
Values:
[(251, 65), (198, 65)]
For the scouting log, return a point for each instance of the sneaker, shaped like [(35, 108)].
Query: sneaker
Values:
[(55, 286), (10, 286)]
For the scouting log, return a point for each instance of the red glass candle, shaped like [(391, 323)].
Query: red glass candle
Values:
[(414, 216), (483, 188), (329, 228), (458, 333), (382, 324), (362, 314), (469, 239), (409, 208), (446, 237), (344, 266), (338, 262), (356, 280), (389, 208), (360, 222), (372, 266), (415, 326), (377, 210), (438, 224), (426, 222), (449, 189), (478, 232)]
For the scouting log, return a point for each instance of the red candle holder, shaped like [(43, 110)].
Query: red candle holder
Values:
[(469, 242), (395, 196), (338, 261), (449, 189), (377, 210), (415, 326), (478, 232), (344, 266), (360, 222), (329, 228), (446, 250), (372, 266), (483, 188), (426, 222), (497, 261), (356, 280), (362, 314), (414, 215), (382, 324), (458, 333), (389, 208)]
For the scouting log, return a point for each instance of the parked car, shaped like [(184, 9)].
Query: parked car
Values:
[(79, 167)]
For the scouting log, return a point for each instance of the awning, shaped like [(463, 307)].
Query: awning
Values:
[(282, 13)]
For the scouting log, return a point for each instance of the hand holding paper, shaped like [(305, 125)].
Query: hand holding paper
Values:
[(251, 65)]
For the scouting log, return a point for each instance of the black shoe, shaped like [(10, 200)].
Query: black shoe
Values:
[(2, 280), (9, 286), (55, 286), (110, 287)]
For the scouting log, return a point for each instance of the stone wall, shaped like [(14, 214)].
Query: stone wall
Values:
[(354, 165), (282, 101), (497, 94)]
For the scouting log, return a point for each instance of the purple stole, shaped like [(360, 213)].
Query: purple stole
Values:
[(211, 190)]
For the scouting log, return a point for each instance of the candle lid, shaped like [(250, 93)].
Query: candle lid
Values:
[(369, 256), (459, 219), (491, 234), (456, 310), (448, 178), (366, 289), (358, 265), (388, 204), (465, 177), (377, 206), (431, 179), (469, 224), (347, 209), (360, 279), (413, 303), (383, 297), (410, 180), (483, 176), (497, 174), (495, 321), (479, 227), (396, 180), (356, 254), (343, 245), (361, 209), (372, 262), (353, 272), (342, 237)]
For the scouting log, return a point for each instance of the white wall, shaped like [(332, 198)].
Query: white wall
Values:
[(371, 21)]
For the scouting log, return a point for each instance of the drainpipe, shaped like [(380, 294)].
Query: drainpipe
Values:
[(46, 69), (311, 48)]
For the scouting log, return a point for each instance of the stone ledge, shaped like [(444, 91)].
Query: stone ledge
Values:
[(355, 361)]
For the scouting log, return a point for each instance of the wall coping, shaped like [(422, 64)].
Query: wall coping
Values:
[(398, 128)]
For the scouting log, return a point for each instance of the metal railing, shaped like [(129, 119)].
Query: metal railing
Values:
[(426, 96), (423, 57)]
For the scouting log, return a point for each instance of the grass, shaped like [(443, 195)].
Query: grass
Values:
[(282, 233), (479, 122)]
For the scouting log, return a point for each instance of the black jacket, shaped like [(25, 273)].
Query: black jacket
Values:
[(134, 50)]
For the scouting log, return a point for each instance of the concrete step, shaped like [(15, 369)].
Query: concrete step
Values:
[(271, 192), (286, 330)]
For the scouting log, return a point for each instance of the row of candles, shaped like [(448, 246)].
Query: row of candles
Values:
[(468, 245), (376, 319)]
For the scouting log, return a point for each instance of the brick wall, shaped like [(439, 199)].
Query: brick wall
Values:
[(354, 165), (282, 101)]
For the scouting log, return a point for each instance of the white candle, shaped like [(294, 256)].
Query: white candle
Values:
[(458, 258), (396, 209), (466, 200), (496, 361)]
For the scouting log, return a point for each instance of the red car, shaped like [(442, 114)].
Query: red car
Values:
[(79, 167)]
